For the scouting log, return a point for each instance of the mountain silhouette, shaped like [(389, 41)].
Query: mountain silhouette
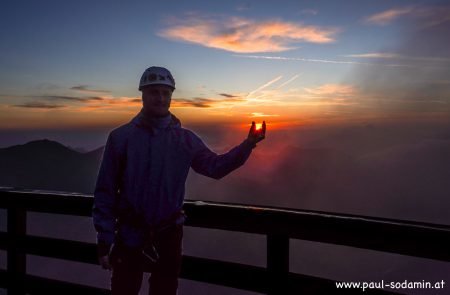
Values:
[(49, 165)]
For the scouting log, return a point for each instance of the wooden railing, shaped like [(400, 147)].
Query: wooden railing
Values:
[(278, 225)]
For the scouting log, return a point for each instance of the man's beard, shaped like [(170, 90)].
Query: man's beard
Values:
[(152, 112)]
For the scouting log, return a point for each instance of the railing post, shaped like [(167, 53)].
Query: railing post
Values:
[(16, 266), (278, 263)]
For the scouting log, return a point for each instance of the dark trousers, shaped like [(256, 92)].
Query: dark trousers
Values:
[(129, 265)]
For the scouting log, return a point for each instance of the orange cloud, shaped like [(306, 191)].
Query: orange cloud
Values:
[(86, 89), (374, 55), (386, 17), (102, 104), (429, 15), (258, 115), (197, 102), (110, 104), (332, 89), (38, 105), (246, 36), (200, 102)]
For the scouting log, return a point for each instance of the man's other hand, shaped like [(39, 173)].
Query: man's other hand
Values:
[(256, 135), (104, 262)]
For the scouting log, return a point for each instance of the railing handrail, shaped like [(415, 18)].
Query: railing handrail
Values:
[(407, 237), (16, 197), (278, 224)]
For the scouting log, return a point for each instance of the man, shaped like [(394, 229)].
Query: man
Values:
[(139, 193)]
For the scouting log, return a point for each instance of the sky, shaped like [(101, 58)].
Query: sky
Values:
[(75, 66)]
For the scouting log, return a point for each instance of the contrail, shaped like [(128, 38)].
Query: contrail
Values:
[(265, 85), (318, 60), (288, 81)]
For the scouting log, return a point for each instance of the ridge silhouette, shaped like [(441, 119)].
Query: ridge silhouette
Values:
[(49, 165)]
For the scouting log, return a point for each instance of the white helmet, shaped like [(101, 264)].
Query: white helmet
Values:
[(156, 75)]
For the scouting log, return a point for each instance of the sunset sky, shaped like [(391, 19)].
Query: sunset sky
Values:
[(77, 64), (355, 94)]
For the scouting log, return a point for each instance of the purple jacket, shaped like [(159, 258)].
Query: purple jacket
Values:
[(143, 174)]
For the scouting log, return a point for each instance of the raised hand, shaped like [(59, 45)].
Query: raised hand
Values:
[(256, 135)]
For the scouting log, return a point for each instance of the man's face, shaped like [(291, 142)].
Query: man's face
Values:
[(156, 100)]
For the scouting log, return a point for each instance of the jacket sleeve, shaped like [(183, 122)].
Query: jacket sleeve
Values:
[(208, 163), (105, 196)]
